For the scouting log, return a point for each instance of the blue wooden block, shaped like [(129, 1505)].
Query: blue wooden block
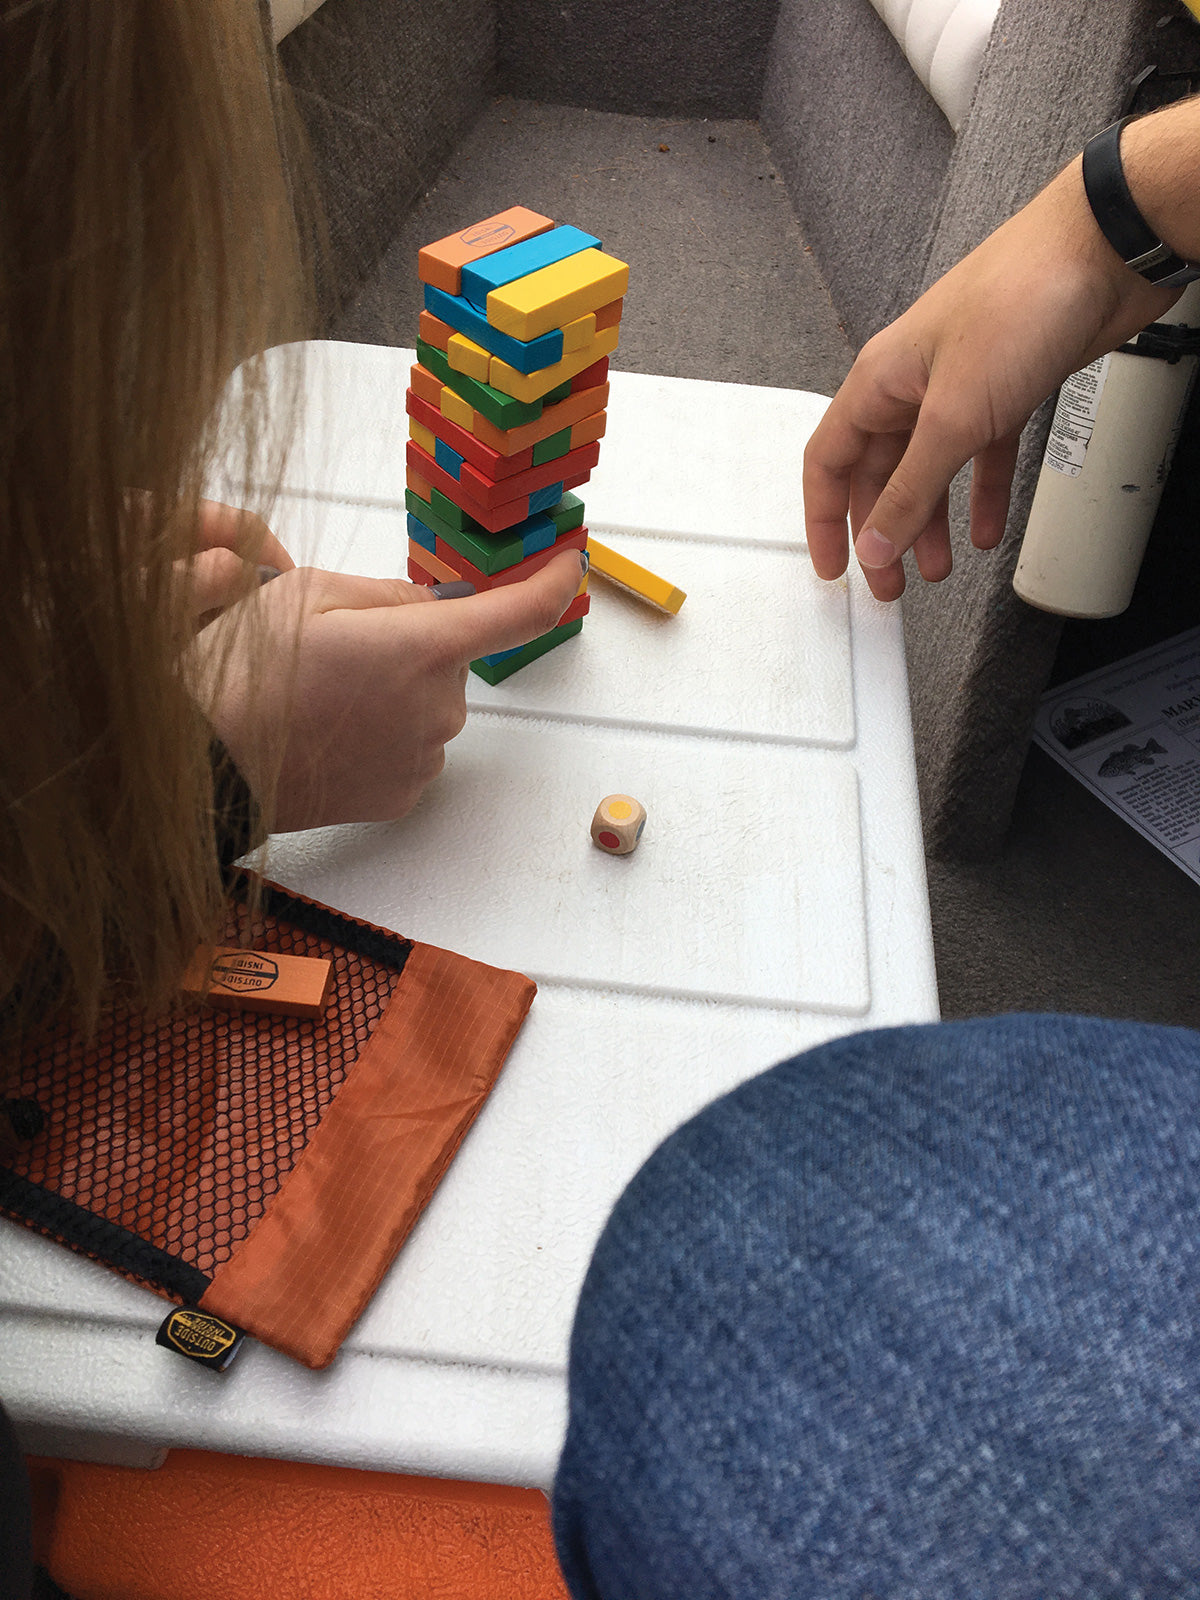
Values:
[(543, 499), (502, 655), (449, 460), (526, 355), (519, 260), (420, 534), (538, 533)]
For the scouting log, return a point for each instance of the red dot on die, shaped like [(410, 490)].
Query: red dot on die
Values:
[(610, 841)]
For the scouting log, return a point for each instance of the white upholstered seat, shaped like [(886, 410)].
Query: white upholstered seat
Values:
[(944, 41), (289, 14)]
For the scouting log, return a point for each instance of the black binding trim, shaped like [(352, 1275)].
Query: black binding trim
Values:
[(94, 1236), (377, 944)]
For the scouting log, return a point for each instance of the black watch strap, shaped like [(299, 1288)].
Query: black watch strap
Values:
[(1118, 217)]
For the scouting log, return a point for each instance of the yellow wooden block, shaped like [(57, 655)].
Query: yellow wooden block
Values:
[(455, 409), (637, 580), (468, 357), (578, 334), (422, 434), (555, 295), (582, 589), (533, 385)]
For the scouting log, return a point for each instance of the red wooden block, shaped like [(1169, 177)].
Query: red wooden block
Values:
[(491, 493), (579, 607), (591, 376), (490, 462), (494, 518), (418, 575)]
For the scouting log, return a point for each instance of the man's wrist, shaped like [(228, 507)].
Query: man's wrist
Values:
[(1160, 154), (1120, 219)]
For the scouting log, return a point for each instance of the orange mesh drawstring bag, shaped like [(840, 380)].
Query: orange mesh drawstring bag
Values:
[(262, 1171)]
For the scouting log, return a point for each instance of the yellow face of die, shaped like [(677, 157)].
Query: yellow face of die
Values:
[(618, 810)]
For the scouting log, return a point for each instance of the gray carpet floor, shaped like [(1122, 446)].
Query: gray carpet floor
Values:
[(1078, 913), (723, 286)]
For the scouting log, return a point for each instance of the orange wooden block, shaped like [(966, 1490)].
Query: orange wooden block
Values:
[(432, 567), (260, 980), (423, 382), (418, 484), (562, 414), (434, 331), (608, 316), (588, 428), (441, 263), (417, 573)]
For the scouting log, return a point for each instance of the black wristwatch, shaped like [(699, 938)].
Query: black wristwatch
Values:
[(1119, 219)]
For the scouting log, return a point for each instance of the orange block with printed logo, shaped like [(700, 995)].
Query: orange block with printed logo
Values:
[(441, 263)]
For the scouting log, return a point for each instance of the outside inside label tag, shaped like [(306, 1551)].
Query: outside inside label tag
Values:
[(201, 1337)]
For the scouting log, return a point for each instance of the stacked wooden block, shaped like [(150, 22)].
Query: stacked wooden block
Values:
[(507, 406)]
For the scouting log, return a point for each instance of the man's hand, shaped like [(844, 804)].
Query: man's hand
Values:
[(956, 378), (343, 692)]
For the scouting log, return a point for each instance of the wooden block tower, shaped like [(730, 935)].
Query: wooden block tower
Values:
[(506, 408)]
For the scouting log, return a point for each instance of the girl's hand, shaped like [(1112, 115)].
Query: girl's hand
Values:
[(344, 691)]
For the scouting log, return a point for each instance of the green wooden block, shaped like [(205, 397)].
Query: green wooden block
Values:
[(434, 515), (490, 552), (567, 514), (500, 409), (530, 652), (560, 393), (550, 449), (453, 513)]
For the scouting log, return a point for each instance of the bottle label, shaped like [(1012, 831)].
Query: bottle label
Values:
[(1075, 418)]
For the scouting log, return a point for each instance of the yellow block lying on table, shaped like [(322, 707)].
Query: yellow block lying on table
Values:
[(640, 581)]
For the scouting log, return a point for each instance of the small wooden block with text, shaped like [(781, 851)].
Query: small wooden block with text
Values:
[(260, 980)]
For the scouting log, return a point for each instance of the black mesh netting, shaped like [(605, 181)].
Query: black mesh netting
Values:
[(164, 1142)]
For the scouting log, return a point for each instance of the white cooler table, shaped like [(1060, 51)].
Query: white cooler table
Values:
[(777, 899)]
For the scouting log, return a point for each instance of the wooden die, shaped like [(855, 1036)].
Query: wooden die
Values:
[(618, 823)]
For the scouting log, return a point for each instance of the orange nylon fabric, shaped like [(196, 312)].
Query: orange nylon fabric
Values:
[(208, 1527), (304, 1274)]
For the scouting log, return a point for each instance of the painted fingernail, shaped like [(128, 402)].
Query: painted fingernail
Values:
[(451, 591), (873, 550), (265, 574), (585, 561)]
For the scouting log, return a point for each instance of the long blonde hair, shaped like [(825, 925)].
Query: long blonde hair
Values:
[(148, 244)]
